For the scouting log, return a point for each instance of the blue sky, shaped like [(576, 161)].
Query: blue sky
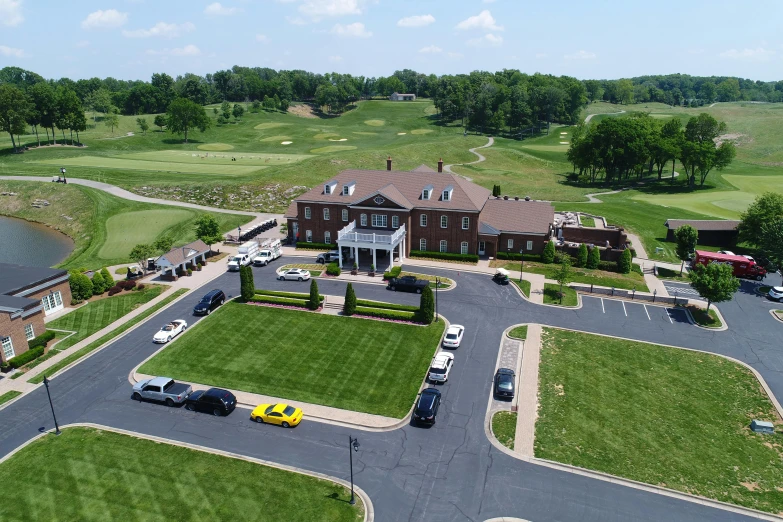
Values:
[(131, 39)]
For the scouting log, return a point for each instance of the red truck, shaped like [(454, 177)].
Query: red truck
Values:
[(743, 267)]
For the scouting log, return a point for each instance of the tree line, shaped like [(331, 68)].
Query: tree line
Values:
[(638, 145)]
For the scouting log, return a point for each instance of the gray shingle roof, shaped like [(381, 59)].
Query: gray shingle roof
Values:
[(179, 255), (17, 303), (15, 278), (509, 215), (703, 224)]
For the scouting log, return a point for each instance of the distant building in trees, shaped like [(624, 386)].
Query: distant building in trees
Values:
[(402, 97)]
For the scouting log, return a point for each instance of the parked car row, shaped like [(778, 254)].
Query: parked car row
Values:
[(428, 402)]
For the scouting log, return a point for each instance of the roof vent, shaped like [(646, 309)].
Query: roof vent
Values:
[(527, 198), (505, 197), (516, 198)]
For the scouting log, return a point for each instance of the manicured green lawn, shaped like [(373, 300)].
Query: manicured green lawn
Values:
[(8, 396), (523, 285), (582, 275), (504, 426), (659, 415), (109, 336), (354, 364), (587, 221), (665, 273), (706, 318), (91, 317), (100, 475), (520, 332), (552, 295)]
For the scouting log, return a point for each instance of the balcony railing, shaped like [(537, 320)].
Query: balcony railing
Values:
[(349, 233)]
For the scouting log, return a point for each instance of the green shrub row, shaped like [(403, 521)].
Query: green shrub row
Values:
[(516, 256), (448, 256), (394, 272), (301, 303), (42, 339), (333, 269), (315, 246), (26, 357), (292, 295), (386, 314), (386, 306)]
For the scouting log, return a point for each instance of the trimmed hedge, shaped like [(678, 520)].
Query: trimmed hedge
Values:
[(333, 269), (115, 290), (315, 246), (41, 340), (26, 357), (447, 256), (394, 272), (301, 303), (291, 295), (516, 256), (386, 306), (386, 314)]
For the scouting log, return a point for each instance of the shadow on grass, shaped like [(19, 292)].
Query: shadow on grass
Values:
[(180, 141)]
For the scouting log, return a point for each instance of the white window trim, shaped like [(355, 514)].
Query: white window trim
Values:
[(345, 214), (395, 221), (423, 220), (346, 190), (423, 245), (327, 189), (309, 236), (8, 348), (31, 334), (446, 195), (510, 243), (425, 194), (463, 248), (327, 214), (363, 220), (465, 223), (308, 213), (379, 221), (530, 245), (52, 302), (444, 246), (327, 237), (444, 222)]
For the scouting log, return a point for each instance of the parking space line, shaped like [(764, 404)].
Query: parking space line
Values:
[(602, 305), (624, 310), (669, 315), (648, 313)]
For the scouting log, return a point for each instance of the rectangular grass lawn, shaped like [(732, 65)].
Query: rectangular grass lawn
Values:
[(350, 363), (664, 416), (87, 474)]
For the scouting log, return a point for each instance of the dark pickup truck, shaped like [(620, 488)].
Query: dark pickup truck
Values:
[(408, 284)]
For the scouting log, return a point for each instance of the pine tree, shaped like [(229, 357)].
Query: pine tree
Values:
[(108, 280), (549, 253), (581, 256), (247, 286), (97, 284), (594, 258), (314, 302), (349, 308), (426, 306)]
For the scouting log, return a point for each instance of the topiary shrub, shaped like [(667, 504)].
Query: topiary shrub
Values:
[(624, 263), (394, 272), (594, 258), (116, 289), (314, 302), (97, 284), (581, 256), (548, 256), (81, 285), (333, 269), (246, 284), (426, 313), (349, 307), (140, 287)]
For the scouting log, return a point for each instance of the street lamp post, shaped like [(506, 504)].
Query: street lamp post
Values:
[(437, 284), (353, 444), (56, 426), (239, 234)]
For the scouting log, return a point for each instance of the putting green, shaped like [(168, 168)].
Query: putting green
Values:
[(325, 135), (215, 146), (276, 138), (375, 123), (204, 167), (421, 131), (126, 230), (243, 158), (365, 133), (332, 148), (270, 125)]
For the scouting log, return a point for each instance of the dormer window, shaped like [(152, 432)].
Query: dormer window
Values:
[(447, 193), (330, 187), (327, 189), (426, 192), (348, 188)]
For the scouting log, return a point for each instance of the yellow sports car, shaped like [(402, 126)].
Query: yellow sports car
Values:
[(282, 414)]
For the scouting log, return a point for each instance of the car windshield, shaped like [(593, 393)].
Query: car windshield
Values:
[(205, 299), (289, 410), (426, 402), (168, 327), (269, 409), (451, 336), (505, 382), (238, 258)]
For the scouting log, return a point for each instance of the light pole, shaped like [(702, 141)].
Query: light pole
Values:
[(56, 426), (437, 284), (353, 444), (239, 234)]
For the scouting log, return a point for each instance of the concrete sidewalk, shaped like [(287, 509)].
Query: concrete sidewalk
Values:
[(527, 406)]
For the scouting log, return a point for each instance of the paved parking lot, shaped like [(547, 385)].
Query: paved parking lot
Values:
[(615, 310), (682, 290)]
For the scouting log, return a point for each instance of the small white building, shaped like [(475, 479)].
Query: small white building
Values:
[(182, 258), (402, 97)]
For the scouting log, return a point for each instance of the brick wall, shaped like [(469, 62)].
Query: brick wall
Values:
[(14, 328), (520, 242), (64, 288), (453, 234), (596, 236)]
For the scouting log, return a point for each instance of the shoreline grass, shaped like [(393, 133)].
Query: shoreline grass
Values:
[(504, 427)]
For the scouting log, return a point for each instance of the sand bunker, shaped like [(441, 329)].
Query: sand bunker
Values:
[(375, 123), (286, 142), (341, 139), (401, 133), (215, 146), (563, 143)]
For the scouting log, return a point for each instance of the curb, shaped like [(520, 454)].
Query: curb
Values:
[(691, 320), (771, 312), (369, 511), (598, 475)]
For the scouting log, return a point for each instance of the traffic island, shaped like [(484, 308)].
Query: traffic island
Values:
[(673, 418)]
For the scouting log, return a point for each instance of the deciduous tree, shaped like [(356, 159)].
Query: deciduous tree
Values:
[(548, 256), (773, 246), (766, 208), (111, 118), (143, 125), (714, 282), (160, 121), (163, 244), (140, 254), (237, 111), (184, 115), (208, 230), (564, 274), (14, 108), (686, 237)]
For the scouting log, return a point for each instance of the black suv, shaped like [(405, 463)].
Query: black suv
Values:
[(216, 401), (427, 406), (209, 302)]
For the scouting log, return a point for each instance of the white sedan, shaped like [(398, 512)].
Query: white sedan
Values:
[(453, 336), (294, 274), (170, 331), (776, 293)]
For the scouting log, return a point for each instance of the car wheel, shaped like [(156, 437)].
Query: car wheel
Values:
[(169, 403), (780, 299), (286, 425), (393, 288), (136, 396), (418, 290), (259, 419), (759, 278), (190, 407), (222, 301), (209, 311), (300, 279), (217, 413), (168, 339), (281, 278)]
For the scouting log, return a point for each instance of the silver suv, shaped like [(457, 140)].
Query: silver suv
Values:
[(328, 257)]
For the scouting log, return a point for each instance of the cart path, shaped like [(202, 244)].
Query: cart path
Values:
[(490, 142), (590, 117)]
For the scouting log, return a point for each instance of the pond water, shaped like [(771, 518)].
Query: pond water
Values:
[(32, 244)]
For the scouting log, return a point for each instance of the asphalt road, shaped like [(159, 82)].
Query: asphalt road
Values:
[(449, 472)]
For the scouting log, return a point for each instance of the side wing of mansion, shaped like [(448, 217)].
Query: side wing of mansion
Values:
[(400, 211)]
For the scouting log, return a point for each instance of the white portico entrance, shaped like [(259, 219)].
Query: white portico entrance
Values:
[(372, 239)]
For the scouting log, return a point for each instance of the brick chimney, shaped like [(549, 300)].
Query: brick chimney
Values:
[(388, 163), (440, 165)]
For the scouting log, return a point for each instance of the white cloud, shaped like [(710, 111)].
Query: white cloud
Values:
[(321, 8), (82, 44), (11, 12), (188, 50), (416, 21), (161, 29), (218, 9), (758, 54), (431, 49), (455, 56), (335, 59), (11, 51), (262, 38), (483, 20), (295, 20), (488, 40), (354, 30), (108, 19), (581, 55)]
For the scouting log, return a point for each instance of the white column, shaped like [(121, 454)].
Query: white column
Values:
[(340, 257), (374, 262)]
